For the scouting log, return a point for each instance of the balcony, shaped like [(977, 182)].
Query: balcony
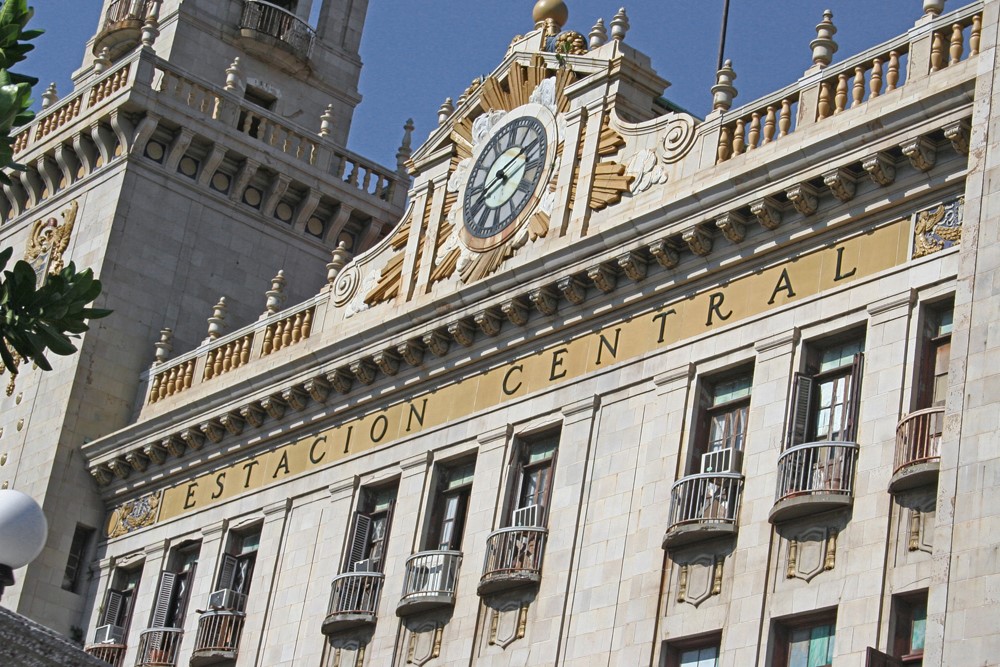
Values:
[(814, 477), (113, 654), (159, 647), (918, 449), (431, 579), (122, 26), (274, 31), (703, 507), (513, 559), (218, 637), (353, 601)]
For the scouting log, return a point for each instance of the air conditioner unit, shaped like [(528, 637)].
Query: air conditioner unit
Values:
[(227, 599), (527, 517), (365, 565), (722, 460), (109, 634)]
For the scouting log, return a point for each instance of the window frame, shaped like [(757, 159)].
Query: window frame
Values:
[(782, 630), (444, 492), (933, 341), (674, 650), (360, 541), (805, 397), (523, 468), (905, 607), (707, 410)]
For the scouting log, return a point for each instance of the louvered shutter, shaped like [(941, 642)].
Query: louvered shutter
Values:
[(799, 416), (380, 566), (227, 572), (875, 658), (164, 597), (854, 406), (361, 527), (113, 602)]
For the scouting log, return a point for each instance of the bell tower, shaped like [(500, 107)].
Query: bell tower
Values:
[(200, 153)]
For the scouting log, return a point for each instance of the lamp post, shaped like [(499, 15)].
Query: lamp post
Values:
[(23, 530)]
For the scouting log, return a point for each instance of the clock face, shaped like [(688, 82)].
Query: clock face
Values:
[(505, 177)]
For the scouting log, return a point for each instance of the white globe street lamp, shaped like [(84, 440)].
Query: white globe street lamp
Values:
[(23, 530)]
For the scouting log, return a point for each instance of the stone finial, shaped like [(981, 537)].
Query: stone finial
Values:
[(164, 346), (619, 25), (50, 96), (276, 295), (216, 323), (338, 260), (151, 27), (405, 148), (446, 110), (723, 91), (933, 7), (550, 10), (234, 76), (102, 61), (598, 35), (326, 121), (823, 47)]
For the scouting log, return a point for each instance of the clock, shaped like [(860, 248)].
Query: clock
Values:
[(510, 170)]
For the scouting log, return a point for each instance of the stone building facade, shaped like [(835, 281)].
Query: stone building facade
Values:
[(618, 386)]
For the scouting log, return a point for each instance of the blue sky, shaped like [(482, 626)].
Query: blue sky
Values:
[(417, 52)]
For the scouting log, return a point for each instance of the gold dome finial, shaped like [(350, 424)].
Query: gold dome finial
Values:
[(550, 9)]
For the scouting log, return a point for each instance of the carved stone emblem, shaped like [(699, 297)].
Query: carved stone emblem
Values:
[(938, 228), (48, 241), (134, 515)]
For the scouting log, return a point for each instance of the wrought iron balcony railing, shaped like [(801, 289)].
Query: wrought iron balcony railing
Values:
[(513, 558), (918, 449), (218, 637), (814, 477), (431, 579), (353, 601), (703, 506), (122, 26), (113, 654), (284, 29), (159, 647)]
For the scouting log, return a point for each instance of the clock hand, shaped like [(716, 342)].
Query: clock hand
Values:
[(501, 177)]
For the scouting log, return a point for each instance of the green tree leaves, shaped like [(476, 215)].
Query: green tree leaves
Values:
[(15, 89)]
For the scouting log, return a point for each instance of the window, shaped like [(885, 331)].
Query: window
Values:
[(116, 613), (236, 571), (534, 482), (174, 591), (370, 531), (77, 554), (451, 507), (722, 424), (825, 399), (698, 652), (805, 643), (933, 380), (909, 618)]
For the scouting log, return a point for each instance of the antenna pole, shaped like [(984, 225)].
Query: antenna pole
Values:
[(722, 36)]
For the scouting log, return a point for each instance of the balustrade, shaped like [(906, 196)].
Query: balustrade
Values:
[(172, 381), (287, 331), (814, 477), (280, 25), (513, 558), (218, 637), (354, 600), (159, 647), (430, 581), (703, 506), (113, 654), (228, 356), (918, 448)]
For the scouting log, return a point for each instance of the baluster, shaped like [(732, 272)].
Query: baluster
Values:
[(739, 139), (188, 374), (154, 391), (268, 346), (974, 34), (279, 329), (840, 99), (785, 119), (937, 52), (367, 180), (858, 91), (754, 135), (245, 354), (286, 332), (210, 365), (825, 98), (297, 328), (227, 358), (892, 76), (247, 121), (307, 323), (724, 151), (875, 84), (163, 385), (353, 178), (955, 52), (172, 382), (219, 362), (769, 125)]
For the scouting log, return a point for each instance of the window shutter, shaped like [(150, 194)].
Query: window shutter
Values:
[(385, 541), (875, 658), (543, 517), (854, 407), (360, 530), (800, 414), (112, 607), (164, 596), (227, 572)]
